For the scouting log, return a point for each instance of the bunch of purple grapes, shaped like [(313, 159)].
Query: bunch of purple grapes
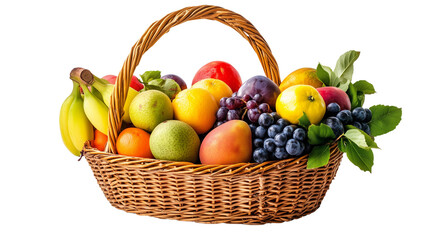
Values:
[(241, 108)]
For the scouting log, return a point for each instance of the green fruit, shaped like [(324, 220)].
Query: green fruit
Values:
[(176, 141), (150, 108)]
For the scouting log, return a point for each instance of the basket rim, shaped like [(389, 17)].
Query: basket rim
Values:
[(167, 166)]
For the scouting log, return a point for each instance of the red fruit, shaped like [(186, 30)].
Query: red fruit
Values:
[(337, 95), (222, 71), (135, 83)]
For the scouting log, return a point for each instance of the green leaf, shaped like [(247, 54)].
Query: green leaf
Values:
[(369, 141), (362, 158), (327, 76), (320, 134), (357, 137), (318, 157), (304, 121), (345, 68), (344, 84), (353, 96), (364, 87), (147, 76), (361, 97), (323, 73), (384, 119), (341, 145)]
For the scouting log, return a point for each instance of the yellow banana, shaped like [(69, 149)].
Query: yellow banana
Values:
[(63, 120), (95, 110), (79, 127), (106, 89)]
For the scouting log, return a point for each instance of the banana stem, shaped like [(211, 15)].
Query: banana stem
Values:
[(85, 89), (76, 90), (99, 84), (102, 80), (82, 76)]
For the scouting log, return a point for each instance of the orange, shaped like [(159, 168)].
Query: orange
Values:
[(216, 87), (305, 76), (134, 142), (99, 141), (196, 107), (299, 99)]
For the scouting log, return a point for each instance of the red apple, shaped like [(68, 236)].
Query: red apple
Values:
[(222, 71), (337, 95), (135, 83), (177, 79)]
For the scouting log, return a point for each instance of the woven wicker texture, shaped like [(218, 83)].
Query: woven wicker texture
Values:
[(246, 193)]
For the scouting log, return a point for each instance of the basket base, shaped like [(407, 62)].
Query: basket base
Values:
[(272, 193), (247, 220)]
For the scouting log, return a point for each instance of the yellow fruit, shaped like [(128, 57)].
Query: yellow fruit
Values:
[(196, 107), (305, 76), (216, 87), (299, 99)]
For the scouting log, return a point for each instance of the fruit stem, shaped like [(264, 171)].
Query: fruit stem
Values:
[(99, 84), (85, 89), (82, 76), (76, 90), (311, 98), (102, 80)]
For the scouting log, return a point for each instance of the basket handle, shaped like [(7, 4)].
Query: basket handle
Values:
[(157, 30)]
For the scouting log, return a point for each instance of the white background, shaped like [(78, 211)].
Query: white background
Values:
[(46, 194)]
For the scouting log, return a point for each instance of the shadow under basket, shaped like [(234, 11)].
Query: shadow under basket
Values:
[(245, 193), (274, 191)]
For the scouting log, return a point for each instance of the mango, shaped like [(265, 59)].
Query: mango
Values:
[(230, 143)]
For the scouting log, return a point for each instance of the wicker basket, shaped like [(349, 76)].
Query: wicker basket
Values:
[(246, 193)]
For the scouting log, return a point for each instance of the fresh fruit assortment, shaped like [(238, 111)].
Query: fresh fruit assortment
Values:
[(219, 120)]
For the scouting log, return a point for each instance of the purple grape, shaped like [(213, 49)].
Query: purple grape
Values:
[(282, 123), (260, 155), (258, 143), (232, 115), (264, 107), (368, 115), (239, 103), (299, 134), (294, 147), (246, 97), (288, 130), (280, 139), (223, 102), (265, 120), (253, 115), (281, 153), (230, 103), (222, 113), (258, 98), (275, 115), (260, 132), (252, 104), (269, 144)]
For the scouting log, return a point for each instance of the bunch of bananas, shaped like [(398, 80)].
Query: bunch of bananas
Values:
[(81, 113)]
